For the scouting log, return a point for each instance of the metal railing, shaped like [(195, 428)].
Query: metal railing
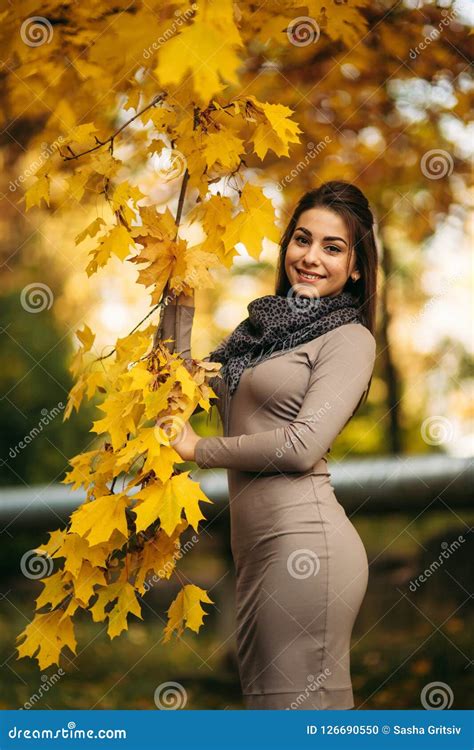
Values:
[(406, 484)]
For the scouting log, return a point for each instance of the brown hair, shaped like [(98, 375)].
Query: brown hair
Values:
[(351, 204)]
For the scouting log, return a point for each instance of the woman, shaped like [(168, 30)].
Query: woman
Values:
[(294, 372)]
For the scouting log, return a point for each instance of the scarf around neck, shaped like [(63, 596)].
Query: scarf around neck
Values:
[(276, 324)]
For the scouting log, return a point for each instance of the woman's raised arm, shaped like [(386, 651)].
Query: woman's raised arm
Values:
[(176, 322)]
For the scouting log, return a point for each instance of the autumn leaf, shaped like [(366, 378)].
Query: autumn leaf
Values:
[(97, 520), (202, 40), (46, 636), (186, 611), (121, 600), (168, 501), (37, 192)]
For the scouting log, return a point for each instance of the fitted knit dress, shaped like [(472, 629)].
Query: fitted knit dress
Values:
[(301, 567)]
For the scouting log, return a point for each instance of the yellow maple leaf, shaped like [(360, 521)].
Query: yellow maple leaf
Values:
[(88, 577), (75, 396), (253, 224), (91, 230), (158, 555), (45, 637), (215, 214), (168, 501), (37, 192), (86, 337), (276, 130), (75, 549), (117, 242), (56, 588), (126, 602), (120, 417), (225, 148), (81, 132), (98, 519), (186, 611), (207, 48)]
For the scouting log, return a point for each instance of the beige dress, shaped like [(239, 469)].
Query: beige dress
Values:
[(301, 567)]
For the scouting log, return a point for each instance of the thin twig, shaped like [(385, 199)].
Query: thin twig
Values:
[(111, 139)]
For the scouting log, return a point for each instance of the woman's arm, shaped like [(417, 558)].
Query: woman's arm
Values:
[(338, 380), (176, 322)]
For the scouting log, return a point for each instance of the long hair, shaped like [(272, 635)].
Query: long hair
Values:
[(351, 204)]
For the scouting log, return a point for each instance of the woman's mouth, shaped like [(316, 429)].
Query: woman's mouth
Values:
[(311, 277)]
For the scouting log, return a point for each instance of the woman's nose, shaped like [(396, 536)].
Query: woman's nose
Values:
[(313, 256)]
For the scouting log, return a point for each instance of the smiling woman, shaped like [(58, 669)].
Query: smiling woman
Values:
[(294, 373)]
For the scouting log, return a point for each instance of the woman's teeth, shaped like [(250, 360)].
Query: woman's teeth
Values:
[(310, 276)]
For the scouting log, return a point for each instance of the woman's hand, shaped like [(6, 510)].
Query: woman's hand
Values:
[(185, 442)]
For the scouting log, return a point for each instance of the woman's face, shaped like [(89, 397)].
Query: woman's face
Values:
[(319, 245)]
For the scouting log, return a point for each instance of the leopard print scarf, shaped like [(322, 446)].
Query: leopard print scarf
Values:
[(278, 323)]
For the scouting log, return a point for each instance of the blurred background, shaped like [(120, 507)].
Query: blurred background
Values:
[(390, 110)]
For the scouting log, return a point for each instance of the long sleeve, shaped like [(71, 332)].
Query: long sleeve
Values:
[(339, 378), (176, 322)]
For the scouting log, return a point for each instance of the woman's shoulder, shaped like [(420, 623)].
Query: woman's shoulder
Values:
[(349, 340)]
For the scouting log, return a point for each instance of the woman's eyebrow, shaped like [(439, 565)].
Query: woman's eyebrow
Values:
[(325, 239)]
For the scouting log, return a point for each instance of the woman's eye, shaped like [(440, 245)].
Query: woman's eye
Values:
[(301, 238), (334, 247)]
